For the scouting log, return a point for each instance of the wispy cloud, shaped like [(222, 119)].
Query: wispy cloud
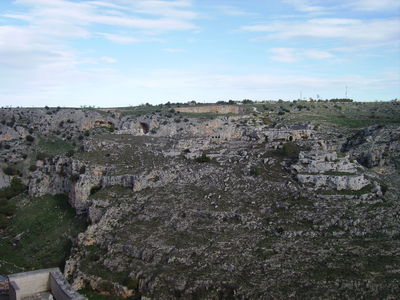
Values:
[(234, 11), (291, 55), (307, 6), (355, 30), (117, 38), (109, 60), (373, 5), (327, 7)]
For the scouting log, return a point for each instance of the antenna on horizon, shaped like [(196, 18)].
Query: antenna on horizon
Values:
[(345, 94)]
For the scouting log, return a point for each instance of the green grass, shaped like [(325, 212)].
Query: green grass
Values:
[(338, 173), (38, 236), (365, 190), (91, 295), (53, 146), (351, 115)]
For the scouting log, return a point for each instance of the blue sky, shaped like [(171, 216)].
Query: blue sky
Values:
[(128, 52)]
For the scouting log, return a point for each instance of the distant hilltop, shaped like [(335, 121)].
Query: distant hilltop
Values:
[(216, 109)]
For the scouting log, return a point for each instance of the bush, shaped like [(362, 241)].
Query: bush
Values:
[(11, 171), (266, 121), (106, 286), (132, 283), (32, 168), (290, 149), (70, 153), (29, 138), (16, 187), (255, 171), (203, 158), (7, 209), (42, 156), (4, 222), (82, 170), (95, 189), (74, 177)]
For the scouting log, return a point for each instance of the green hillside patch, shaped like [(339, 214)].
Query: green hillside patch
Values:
[(38, 235), (53, 147)]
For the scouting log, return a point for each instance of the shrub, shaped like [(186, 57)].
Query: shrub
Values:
[(11, 171), (203, 158), (29, 138), (41, 156), (4, 222), (266, 121), (132, 283), (95, 189), (74, 177), (70, 153), (7, 209), (32, 168), (16, 187), (106, 286), (255, 171), (290, 149), (82, 170)]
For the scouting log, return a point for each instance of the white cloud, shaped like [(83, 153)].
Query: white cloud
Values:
[(374, 5), (233, 11), (121, 39), (318, 54), (177, 9), (314, 7), (286, 55), (307, 6), (109, 60), (67, 16), (354, 30), (291, 55)]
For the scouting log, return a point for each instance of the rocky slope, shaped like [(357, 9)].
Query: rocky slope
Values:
[(228, 207)]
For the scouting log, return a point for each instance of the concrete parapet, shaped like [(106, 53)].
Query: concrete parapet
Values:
[(46, 280), (61, 289)]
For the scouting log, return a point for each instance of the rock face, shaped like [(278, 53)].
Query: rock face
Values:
[(220, 208), (375, 146), (4, 179), (324, 169), (353, 182)]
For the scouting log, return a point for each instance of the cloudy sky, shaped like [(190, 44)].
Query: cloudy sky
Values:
[(128, 52)]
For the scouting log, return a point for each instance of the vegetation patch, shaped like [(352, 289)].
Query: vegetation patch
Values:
[(38, 235), (53, 147), (203, 158)]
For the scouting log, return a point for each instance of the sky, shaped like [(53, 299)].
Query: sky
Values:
[(107, 53)]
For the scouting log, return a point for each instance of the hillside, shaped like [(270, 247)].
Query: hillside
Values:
[(268, 200)]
